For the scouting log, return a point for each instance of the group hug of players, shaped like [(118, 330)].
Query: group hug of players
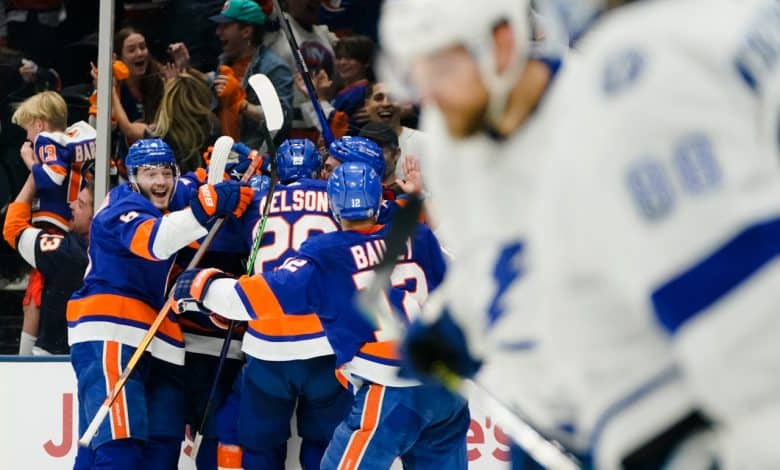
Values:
[(306, 347)]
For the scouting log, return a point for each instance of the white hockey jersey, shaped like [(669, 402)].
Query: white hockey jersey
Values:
[(659, 224), (483, 189)]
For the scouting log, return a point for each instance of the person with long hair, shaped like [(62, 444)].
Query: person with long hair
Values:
[(185, 121), (141, 92)]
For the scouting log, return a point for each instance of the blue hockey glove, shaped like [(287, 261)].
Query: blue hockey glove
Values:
[(221, 199), (437, 350), (245, 156), (190, 289)]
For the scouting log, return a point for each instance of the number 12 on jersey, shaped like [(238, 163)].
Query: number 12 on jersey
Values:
[(407, 278)]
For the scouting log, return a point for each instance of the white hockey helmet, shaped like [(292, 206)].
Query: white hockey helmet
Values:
[(576, 16), (412, 29)]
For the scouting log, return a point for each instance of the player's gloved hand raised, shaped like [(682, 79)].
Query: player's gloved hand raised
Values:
[(437, 350), (190, 289), (219, 200), (241, 157)]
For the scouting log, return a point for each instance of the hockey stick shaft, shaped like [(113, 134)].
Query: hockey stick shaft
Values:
[(546, 452), (249, 269), (100, 416), (300, 64)]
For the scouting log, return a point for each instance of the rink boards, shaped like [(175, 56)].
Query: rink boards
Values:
[(39, 416)]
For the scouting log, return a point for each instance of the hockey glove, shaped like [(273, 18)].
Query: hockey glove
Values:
[(238, 163), (219, 200), (437, 350), (190, 289)]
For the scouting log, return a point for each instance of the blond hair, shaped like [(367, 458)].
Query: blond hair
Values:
[(48, 106), (184, 119)]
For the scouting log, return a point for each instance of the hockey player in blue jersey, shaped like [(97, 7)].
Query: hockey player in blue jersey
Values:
[(289, 359), (391, 416), (134, 236)]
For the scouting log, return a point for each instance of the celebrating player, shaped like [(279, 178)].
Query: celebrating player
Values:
[(140, 226), (391, 416)]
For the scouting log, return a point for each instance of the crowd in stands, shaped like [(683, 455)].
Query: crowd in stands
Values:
[(181, 70)]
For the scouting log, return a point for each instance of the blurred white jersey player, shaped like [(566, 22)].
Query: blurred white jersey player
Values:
[(658, 230), (491, 101)]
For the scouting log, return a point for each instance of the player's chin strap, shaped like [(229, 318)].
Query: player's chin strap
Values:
[(548, 453)]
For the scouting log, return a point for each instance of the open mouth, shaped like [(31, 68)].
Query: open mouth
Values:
[(160, 193), (385, 114)]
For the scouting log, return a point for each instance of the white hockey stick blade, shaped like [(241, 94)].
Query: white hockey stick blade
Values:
[(269, 100), (219, 158)]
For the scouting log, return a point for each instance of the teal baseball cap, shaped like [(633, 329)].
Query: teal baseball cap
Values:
[(247, 11)]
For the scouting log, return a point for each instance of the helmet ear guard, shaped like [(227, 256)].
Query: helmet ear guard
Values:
[(354, 192)]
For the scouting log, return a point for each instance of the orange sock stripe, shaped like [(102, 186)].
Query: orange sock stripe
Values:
[(112, 367), (358, 442)]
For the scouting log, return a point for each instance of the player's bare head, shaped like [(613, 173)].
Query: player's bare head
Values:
[(45, 111), (152, 171), (82, 210), (463, 57)]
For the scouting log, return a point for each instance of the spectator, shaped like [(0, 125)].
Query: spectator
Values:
[(142, 90), (62, 259), (184, 120), (54, 156), (240, 28), (316, 46), (380, 107), (345, 111), (393, 185)]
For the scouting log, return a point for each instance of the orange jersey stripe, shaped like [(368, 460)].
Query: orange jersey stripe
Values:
[(287, 325), (261, 298), (112, 367), (384, 349), (139, 245), (120, 307), (356, 447)]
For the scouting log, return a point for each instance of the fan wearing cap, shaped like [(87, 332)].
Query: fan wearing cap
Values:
[(240, 29)]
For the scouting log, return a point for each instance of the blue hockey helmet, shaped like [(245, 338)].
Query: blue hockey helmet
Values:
[(149, 153), (359, 149), (354, 191), (297, 158)]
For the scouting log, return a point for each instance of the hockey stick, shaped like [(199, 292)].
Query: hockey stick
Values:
[(102, 412), (304, 71), (550, 454), (274, 118)]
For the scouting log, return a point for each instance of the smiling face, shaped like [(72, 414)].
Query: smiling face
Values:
[(135, 54), (381, 108), (156, 183), (350, 69)]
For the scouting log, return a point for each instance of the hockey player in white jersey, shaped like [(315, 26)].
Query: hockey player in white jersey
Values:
[(657, 234), (489, 96)]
